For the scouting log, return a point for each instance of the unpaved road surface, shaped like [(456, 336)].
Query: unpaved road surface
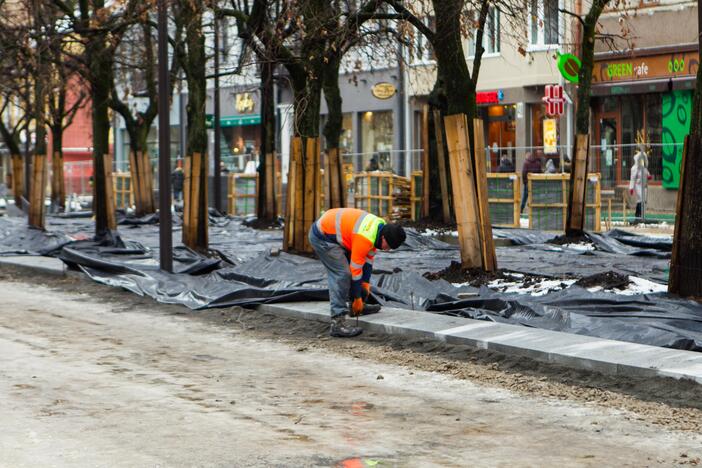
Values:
[(87, 380)]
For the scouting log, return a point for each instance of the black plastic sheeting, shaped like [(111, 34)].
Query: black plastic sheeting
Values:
[(244, 272)]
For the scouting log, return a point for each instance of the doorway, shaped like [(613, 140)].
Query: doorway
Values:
[(609, 151)]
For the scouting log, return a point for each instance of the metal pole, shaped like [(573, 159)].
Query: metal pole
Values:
[(217, 124), (164, 144)]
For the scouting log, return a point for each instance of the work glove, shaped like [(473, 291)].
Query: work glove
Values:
[(365, 291), (357, 306)]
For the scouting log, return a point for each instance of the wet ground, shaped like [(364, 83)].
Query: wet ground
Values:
[(94, 376)]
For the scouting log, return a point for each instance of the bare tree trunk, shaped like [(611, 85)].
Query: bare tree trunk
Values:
[(686, 260), (265, 205), (580, 157), (196, 219), (333, 129)]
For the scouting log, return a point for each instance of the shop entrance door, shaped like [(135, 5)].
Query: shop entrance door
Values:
[(609, 152)]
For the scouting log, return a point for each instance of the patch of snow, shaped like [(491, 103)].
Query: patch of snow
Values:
[(430, 233), (642, 286), (637, 286), (536, 289), (582, 246)]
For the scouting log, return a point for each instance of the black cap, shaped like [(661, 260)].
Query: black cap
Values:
[(394, 235)]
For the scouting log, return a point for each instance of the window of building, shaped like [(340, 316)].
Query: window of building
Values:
[(544, 19), (421, 50), (491, 34), (376, 139)]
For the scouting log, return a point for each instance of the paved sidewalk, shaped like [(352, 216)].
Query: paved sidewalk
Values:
[(565, 349)]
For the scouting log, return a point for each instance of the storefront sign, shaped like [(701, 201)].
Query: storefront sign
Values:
[(550, 136), (240, 120), (489, 97), (554, 100), (642, 68), (383, 90), (244, 103)]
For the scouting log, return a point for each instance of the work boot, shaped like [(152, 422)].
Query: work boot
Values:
[(342, 329), (367, 309)]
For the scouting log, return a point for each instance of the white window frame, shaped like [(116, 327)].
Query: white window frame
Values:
[(540, 43), (423, 44), (494, 14)]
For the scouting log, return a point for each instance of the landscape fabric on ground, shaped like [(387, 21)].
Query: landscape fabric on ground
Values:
[(245, 269)]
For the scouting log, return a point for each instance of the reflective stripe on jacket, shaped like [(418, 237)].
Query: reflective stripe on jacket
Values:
[(356, 231)]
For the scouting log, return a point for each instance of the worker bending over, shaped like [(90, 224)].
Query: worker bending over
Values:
[(346, 240)]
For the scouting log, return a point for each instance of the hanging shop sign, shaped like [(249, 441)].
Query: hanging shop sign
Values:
[(489, 97), (670, 65), (383, 90), (554, 100), (244, 103), (550, 136), (569, 66)]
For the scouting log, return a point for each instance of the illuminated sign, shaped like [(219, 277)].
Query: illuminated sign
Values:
[(489, 97), (244, 103), (550, 136), (383, 90)]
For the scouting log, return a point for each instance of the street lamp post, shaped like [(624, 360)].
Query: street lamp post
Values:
[(164, 144), (217, 123)]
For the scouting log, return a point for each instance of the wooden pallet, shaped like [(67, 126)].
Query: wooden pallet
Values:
[(500, 204), (383, 194), (241, 193), (559, 206)]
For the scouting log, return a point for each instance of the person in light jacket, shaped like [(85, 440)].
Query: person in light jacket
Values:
[(638, 181)]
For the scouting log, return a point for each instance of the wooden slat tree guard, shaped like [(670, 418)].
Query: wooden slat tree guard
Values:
[(37, 191), (124, 193), (575, 220), (441, 166), (504, 192), (109, 193), (472, 214), (383, 194), (142, 182), (195, 211), (548, 201), (270, 200), (416, 190), (425, 161), (243, 194), (58, 182), (334, 180), (303, 194), (17, 179)]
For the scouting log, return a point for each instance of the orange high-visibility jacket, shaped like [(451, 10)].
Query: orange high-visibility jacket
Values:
[(356, 231)]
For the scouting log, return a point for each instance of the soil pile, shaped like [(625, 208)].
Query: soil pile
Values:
[(565, 240), (607, 280), (455, 273)]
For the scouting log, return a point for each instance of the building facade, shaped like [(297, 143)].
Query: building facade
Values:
[(643, 84)]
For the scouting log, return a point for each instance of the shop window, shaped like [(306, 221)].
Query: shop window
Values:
[(501, 133), (240, 145), (654, 128), (491, 34), (544, 19), (376, 140), (632, 120), (346, 138)]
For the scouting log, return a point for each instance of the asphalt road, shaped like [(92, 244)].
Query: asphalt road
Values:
[(84, 382)]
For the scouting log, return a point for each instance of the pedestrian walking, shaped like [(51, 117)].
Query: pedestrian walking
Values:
[(346, 241), (177, 178), (638, 181), (531, 165)]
